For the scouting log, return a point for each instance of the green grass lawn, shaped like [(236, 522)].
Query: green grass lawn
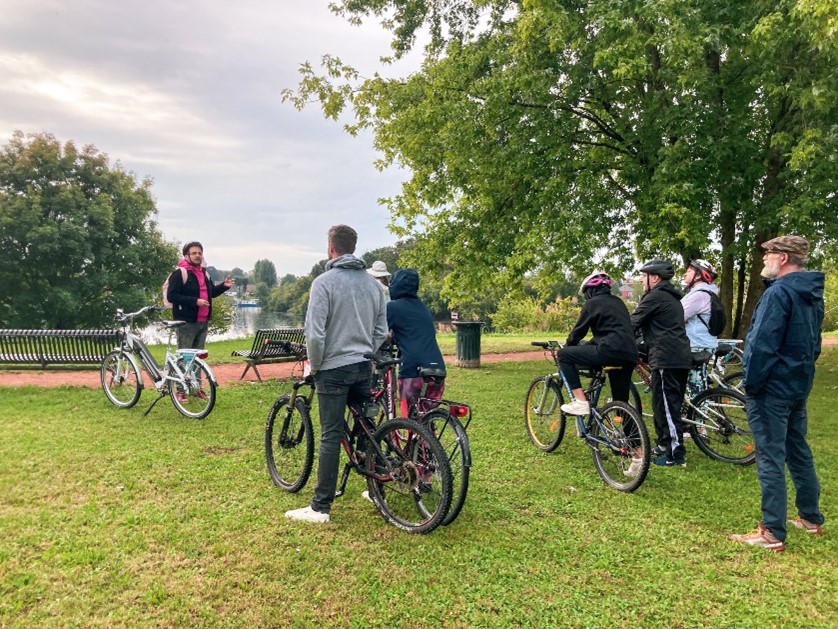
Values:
[(112, 518)]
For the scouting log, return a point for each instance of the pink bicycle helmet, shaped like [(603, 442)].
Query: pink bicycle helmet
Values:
[(597, 278)]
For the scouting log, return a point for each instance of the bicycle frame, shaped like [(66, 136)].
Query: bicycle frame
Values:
[(645, 373), (592, 393)]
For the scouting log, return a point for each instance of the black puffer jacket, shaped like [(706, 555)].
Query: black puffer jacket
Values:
[(607, 317), (659, 317)]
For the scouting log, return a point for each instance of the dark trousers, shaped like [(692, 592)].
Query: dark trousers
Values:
[(571, 358), (668, 387), (779, 427), (192, 335), (335, 388)]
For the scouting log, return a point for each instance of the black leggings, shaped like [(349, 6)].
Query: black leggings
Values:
[(570, 358)]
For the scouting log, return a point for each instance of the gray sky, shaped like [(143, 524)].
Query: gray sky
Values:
[(187, 92)]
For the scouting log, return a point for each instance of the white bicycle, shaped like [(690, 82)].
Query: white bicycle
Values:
[(184, 376)]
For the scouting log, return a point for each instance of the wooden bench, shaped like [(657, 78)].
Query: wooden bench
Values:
[(293, 348), (56, 347)]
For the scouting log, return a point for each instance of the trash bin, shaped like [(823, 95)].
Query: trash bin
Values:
[(468, 343)]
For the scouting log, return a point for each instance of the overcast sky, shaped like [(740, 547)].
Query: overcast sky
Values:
[(187, 92)]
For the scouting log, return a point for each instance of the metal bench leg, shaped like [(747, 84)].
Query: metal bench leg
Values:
[(258, 375), (249, 365)]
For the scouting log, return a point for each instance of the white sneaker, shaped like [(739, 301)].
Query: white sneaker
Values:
[(577, 407), (307, 514), (366, 496), (634, 468)]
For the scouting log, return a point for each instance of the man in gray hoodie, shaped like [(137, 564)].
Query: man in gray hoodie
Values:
[(346, 318)]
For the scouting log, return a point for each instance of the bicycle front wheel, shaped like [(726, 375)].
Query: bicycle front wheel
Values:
[(452, 435), (718, 424), (733, 381), (289, 444), (411, 484), (543, 417), (121, 381), (195, 398), (620, 445)]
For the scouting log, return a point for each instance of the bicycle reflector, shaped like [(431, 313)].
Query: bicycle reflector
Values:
[(202, 354), (458, 410)]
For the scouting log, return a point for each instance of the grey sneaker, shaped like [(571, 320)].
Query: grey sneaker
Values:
[(366, 496), (666, 460), (307, 514)]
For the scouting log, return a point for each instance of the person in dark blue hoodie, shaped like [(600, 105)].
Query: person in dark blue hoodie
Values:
[(414, 333), (782, 345)]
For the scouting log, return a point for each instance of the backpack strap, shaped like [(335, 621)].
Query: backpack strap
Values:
[(700, 318)]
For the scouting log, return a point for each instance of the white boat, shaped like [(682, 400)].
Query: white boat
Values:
[(247, 303)]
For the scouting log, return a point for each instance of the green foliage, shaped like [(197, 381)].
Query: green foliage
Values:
[(291, 296), (264, 272), (78, 237), (544, 136), (830, 297), (527, 314)]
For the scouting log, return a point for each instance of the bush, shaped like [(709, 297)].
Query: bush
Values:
[(526, 314)]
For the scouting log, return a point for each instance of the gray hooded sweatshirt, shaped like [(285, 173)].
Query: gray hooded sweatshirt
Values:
[(346, 316)]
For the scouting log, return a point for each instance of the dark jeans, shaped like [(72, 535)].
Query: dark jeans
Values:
[(571, 358), (779, 427), (668, 388), (192, 335), (335, 388)]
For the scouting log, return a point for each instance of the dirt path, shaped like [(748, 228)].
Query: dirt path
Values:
[(227, 373)]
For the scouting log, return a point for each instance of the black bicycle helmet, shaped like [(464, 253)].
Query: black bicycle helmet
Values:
[(661, 268), (705, 270)]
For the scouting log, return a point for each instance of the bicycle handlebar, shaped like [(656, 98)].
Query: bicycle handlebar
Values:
[(122, 317)]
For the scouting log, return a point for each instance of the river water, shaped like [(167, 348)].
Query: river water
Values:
[(245, 323)]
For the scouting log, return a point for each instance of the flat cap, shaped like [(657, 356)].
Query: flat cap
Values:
[(788, 244)]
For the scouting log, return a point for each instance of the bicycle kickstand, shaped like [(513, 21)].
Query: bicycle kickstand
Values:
[(160, 397)]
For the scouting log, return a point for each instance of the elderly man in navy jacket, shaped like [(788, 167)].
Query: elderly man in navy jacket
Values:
[(781, 348)]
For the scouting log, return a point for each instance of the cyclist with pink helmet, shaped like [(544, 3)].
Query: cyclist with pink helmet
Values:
[(606, 317)]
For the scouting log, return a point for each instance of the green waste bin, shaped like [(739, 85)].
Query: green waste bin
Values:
[(468, 343)]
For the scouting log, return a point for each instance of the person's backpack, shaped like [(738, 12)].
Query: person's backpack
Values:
[(166, 302), (716, 324)]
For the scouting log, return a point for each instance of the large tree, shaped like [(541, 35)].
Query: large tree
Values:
[(550, 135), (78, 237), (264, 272)]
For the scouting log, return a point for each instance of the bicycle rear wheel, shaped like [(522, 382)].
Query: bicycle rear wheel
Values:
[(120, 377), (543, 417), (452, 435), (411, 486), (719, 426), (620, 445), (196, 398), (289, 444)]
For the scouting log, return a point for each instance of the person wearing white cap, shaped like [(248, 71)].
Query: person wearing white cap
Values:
[(379, 271)]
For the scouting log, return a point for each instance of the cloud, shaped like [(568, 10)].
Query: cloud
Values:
[(188, 93)]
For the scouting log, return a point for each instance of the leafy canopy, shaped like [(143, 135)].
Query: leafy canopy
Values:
[(78, 237), (545, 137)]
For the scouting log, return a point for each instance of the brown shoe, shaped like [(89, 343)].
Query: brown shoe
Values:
[(809, 527), (761, 537)]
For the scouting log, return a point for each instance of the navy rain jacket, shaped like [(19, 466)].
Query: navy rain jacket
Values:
[(412, 325), (784, 339)]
